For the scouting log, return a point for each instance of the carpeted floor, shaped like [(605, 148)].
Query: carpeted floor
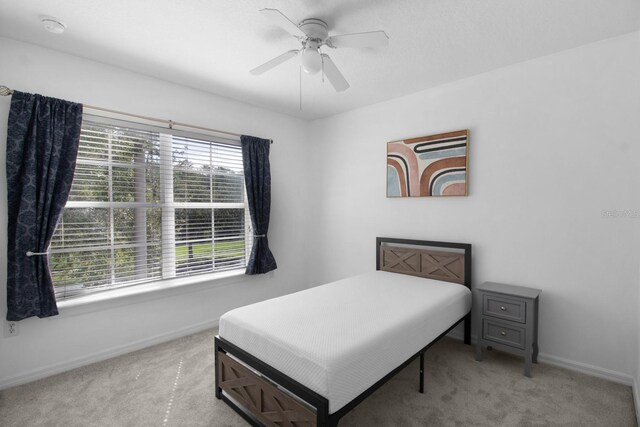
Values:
[(172, 385)]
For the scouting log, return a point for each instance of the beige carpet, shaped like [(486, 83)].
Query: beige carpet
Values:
[(172, 385)]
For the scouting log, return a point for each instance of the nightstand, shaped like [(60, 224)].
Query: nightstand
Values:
[(508, 320)]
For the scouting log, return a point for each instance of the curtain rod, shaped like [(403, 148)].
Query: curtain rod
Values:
[(5, 91)]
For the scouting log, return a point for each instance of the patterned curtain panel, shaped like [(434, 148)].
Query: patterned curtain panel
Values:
[(257, 176), (42, 144)]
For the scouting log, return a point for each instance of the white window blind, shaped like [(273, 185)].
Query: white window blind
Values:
[(148, 204)]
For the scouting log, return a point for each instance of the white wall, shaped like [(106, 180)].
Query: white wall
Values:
[(79, 335), (636, 385), (554, 142)]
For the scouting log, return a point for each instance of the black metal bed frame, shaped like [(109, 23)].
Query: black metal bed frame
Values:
[(318, 402)]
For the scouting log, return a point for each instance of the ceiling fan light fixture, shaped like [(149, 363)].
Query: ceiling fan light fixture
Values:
[(311, 60)]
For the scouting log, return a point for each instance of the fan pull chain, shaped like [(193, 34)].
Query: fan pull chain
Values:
[(300, 88)]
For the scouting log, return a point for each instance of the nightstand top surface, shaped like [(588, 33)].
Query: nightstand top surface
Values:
[(501, 288)]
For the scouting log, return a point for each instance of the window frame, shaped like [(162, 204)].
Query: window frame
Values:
[(168, 206)]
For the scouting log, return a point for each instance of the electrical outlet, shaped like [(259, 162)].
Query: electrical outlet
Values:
[(11, 329)]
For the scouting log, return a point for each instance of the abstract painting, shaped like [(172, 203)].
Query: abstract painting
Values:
[(434, 165)]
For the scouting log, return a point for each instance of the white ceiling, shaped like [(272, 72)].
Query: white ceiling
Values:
[(212, 44)]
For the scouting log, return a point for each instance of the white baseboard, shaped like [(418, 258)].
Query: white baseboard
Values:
[(571, 365), (58, 368), (595, 371)]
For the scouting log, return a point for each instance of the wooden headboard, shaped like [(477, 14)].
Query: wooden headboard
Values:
[(446, 261)]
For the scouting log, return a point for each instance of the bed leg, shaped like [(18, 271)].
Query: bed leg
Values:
[(467, 329), (218, 390), (421, 372), (329, 420)]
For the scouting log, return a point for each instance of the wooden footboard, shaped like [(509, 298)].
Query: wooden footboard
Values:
[(268, 403), (263, 395)]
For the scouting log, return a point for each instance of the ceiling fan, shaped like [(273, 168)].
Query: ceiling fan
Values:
[(313, 34)]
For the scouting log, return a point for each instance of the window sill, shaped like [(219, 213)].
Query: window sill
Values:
[(146, 292)]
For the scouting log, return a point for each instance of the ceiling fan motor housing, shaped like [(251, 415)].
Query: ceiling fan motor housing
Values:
[(315, 29)]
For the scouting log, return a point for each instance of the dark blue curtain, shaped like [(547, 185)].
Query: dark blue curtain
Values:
[(257, 177), (42, 145)]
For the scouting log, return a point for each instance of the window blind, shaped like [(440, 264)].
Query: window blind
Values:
[(149, 204)]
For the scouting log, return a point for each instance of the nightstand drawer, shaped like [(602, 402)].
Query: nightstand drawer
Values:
[(504, 308), (504, 334)]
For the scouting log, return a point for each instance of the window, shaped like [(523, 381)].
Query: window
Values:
[(149, 204)]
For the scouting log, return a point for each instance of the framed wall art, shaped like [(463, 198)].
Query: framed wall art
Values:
[(434, 165)]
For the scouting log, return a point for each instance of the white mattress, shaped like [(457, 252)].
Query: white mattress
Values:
[(341, 338)]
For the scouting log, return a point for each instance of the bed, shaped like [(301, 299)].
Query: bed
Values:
[(307, 358)]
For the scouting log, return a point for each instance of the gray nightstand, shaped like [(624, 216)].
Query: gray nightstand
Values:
[(508, 320)]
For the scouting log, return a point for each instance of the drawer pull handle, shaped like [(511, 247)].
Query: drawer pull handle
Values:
[(503, 333), (503, 308)]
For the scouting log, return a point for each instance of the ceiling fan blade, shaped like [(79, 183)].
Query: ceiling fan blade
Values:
[(274, 62), (358, 40), (278, 18), (334, 75)]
